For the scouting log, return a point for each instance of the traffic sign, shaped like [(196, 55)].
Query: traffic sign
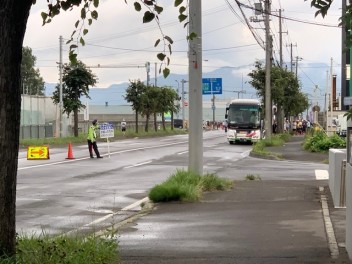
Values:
[(212, 86), (106, 130), (37, 152)]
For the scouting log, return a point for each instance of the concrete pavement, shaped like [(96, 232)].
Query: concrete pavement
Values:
[(268, 221)]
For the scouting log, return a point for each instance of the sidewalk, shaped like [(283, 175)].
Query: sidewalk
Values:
[(264, 222)]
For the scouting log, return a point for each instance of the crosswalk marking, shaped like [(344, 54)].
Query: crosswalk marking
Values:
[(321, 175)]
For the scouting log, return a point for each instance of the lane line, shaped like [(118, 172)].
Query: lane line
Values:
[(183, 152), (138, 164)]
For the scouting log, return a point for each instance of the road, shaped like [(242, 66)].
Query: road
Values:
[(60, 195)]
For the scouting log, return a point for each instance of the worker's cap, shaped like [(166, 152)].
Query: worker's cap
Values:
[(94, 121)]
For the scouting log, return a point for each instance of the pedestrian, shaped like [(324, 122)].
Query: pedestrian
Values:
[(123, 126), (92, 139)]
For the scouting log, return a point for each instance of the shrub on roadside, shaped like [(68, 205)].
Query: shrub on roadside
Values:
[(187, 186), (320, 142)]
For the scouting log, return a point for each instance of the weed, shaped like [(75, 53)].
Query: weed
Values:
[(252, 177)]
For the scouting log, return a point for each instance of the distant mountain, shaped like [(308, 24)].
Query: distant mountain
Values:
[(234, 85)]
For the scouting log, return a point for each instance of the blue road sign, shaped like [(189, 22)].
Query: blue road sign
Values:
[(212, 85)]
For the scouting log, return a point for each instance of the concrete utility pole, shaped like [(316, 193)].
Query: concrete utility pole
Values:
[(297, 58), (60, 87), (195, 136), (268, 108), (183, 101), (147, 66)]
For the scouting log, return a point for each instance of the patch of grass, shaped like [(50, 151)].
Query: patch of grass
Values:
[(187, 186), (275, 140), (252, 177), (53, 250)]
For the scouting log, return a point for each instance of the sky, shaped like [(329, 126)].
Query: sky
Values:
[(121, 44)]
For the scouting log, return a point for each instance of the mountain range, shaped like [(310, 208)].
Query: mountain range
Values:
[(234, 85)]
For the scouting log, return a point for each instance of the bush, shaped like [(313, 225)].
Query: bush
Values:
[(320, 142), (187, 186)]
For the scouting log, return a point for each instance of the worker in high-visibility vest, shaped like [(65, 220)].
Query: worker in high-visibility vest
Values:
[(92, 139)]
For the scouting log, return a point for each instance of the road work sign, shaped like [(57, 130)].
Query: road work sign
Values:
[(37, 152)]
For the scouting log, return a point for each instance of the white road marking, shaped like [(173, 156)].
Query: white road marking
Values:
[(101, 219), (183, 152), (321, 175), (138, 164)]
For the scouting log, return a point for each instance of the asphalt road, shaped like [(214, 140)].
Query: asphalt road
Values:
[(60, 195)]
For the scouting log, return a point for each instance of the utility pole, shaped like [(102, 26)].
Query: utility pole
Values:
[(268, 108), (297, 58), (331, 104), (183, 101), (147, 66), (291, 45), (195, 136), (280, 34), (60, 86)]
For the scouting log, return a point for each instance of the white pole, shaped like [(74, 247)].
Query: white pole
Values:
[(195, 142), (327, 99)]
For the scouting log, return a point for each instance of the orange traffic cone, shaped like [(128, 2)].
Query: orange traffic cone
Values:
[(70, 153)]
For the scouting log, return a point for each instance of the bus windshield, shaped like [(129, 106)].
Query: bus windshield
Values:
[(243, 114)]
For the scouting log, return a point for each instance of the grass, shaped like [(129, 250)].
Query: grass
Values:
[(275, 140), (187, 186), (82, 137), (252, 177), (53, 250)]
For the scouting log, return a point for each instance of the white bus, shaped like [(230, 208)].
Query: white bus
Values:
[(244, 121)]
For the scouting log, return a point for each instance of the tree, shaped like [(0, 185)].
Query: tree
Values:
[(133, 96), (167, 104), (285, 89), (76, 81), (32, 82)]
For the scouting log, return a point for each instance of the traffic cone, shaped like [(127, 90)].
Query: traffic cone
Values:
[(70, 153)]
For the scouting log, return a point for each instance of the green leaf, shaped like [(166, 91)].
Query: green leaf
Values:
[(148, 2), (73, 57), (161, 56), (137, 6), (182, 17), (77, 23), (182, 9), (73, 46), (44, 16), (192, 36), (96, 3), (158, 9), (90, 21), (85, 31), (94, 14), (166, 72), (148, 17), (169, 46), (169, 39), (157, 43), (83, 13), (81, 40), (178, 2)]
